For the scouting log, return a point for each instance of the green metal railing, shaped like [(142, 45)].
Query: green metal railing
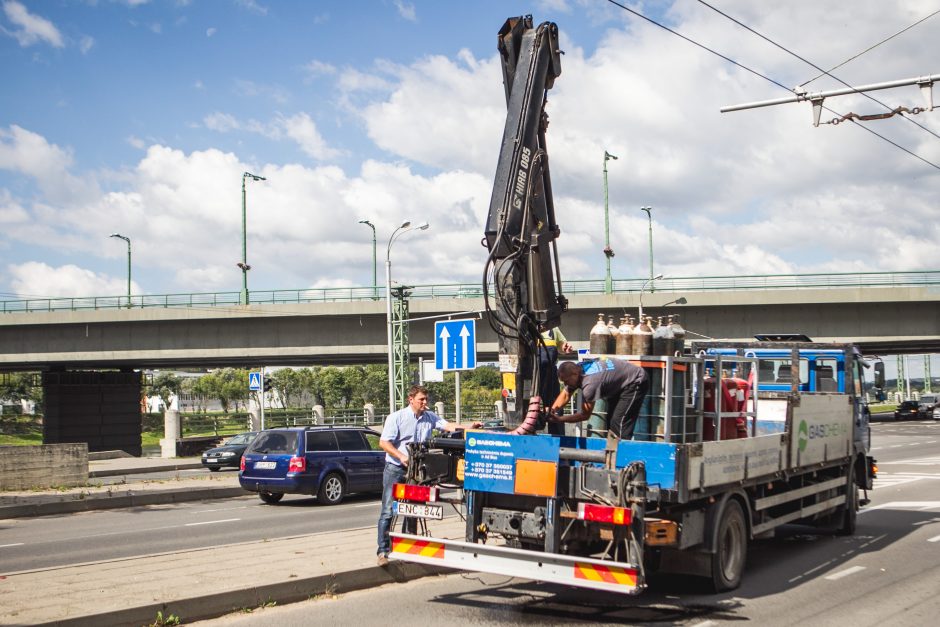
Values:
[(474, 290)]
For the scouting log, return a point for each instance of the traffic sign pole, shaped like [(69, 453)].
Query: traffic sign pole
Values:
[(262, 399)]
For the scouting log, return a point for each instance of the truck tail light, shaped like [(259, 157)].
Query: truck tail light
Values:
[(297, 464), (604, 514), (407, 492)]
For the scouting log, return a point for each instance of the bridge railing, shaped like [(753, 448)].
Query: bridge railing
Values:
[(475, 290)]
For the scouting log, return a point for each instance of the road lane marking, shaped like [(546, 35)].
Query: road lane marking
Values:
[(211, 522), (4, 546), (917, 506), (916, 461), (934, 539), (845, 573), (220, 509)]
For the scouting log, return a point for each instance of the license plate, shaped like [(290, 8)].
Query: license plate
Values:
[(212, 460), (265, 465), (416, 510)]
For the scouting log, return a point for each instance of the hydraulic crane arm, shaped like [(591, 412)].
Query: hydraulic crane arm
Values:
[(520, 228)]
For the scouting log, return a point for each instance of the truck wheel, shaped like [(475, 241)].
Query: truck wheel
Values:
[(849, 512), (730, 548), (332, 490), (270, 497)]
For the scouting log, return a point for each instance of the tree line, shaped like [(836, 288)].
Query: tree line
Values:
[(332, 387)]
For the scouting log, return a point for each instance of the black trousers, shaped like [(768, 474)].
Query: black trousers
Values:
[(623, 410), (549, 388)]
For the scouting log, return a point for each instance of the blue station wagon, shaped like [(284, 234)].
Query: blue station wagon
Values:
[(329, 462)]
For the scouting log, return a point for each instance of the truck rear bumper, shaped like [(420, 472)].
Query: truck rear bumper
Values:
[(583, 572)]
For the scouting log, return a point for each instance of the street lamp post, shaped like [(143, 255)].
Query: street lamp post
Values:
[(649, 281), (375, 288), (404, 228), (649, 217), (128, 240), (608, 251), (244, 262)]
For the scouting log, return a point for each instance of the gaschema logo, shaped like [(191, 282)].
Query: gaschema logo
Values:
[(807, 433), (472, 441)]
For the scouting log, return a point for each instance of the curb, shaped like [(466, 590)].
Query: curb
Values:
[(117, 472), (27, 510), (292, 591)]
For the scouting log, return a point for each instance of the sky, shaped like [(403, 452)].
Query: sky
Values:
[(139, 117)]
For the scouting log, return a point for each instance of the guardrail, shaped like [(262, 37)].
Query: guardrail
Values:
[(474, 290)]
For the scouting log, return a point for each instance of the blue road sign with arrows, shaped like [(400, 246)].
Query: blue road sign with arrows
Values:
[(254, 381), (455, 344)]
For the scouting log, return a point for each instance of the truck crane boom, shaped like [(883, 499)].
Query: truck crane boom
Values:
[(520, 228)]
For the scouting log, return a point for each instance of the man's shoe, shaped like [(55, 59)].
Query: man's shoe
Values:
[(383, 560)]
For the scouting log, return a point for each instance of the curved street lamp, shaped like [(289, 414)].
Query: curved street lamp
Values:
[(244, 262), (401, 230), (375, 288), (649, 281), (128, 240)]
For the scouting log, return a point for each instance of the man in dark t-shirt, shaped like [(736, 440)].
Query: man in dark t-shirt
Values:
[(620, 383)]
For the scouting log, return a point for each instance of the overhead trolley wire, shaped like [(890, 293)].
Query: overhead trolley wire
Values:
[(870, 48), (766, 78)]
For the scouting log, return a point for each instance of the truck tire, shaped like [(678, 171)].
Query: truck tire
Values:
[(332, 489), (848, 514), (730, 555)]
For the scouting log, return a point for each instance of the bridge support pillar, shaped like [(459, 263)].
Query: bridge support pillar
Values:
[(369, 410), (102, 409), (439, 408), (318, 414)]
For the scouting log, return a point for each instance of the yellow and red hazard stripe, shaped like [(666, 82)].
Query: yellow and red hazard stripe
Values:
[(606, 574), (424, 548)]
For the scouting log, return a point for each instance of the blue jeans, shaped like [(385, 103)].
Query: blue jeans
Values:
[(393, 474)]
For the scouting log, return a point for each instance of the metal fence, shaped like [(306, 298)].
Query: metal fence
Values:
[(474, 290)]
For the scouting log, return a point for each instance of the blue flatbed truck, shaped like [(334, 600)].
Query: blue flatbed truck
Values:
[(560, 509)]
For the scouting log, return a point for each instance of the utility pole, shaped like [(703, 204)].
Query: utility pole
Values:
[(608, 251)]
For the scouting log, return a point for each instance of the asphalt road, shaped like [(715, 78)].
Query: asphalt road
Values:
[(886, 574), (50, 541)]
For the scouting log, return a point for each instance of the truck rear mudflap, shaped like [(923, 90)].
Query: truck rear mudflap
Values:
[(582, 572)]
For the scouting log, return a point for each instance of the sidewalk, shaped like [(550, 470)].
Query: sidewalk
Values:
[(193, 584), (200, 584)]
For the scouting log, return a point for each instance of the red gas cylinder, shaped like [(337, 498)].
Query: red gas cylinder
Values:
[(733, 400), (743, 395)]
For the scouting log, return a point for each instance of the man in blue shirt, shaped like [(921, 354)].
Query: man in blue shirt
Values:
[(413, 423)]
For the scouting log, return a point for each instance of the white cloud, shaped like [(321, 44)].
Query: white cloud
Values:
[(31, 28), (745, 193), (299, 128), (319, 68), (253, 6), (253, 90), (136, 142), (38, 280), (86, 43), (211, 31), (302, 130), (406, 10)]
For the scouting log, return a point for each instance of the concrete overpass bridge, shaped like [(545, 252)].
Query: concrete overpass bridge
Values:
[(885, 313)]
